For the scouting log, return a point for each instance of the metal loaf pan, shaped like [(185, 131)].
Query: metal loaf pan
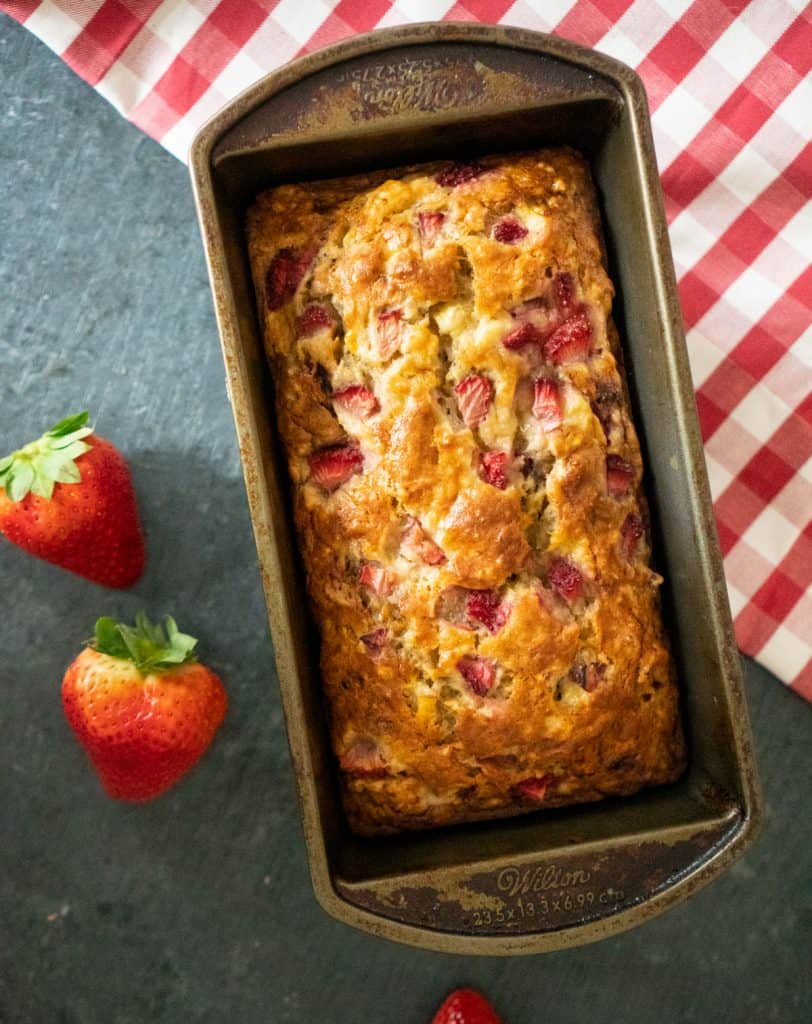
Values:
[(556, 878)]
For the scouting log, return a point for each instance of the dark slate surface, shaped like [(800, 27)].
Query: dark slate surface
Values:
[(199, 907)]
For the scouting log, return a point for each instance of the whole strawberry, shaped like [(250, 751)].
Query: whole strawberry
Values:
[(465, 1006), (68, 498), (141, 705)]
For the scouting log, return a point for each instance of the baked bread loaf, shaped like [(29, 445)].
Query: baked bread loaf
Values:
[(466, 480)]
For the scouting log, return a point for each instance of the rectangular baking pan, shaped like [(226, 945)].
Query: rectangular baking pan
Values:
[(423, 92)]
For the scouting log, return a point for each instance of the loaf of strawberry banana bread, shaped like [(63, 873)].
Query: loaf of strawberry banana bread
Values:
[(467, 489)]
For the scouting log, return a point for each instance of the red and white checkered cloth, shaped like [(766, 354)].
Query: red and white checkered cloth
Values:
[(732, 107)]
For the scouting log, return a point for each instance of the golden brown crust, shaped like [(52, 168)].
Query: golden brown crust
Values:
[(491, 634)]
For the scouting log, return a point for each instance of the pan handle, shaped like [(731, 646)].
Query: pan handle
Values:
[(409, 81), (545, 901)]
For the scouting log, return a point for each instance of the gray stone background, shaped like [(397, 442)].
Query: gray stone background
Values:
[(198, 907)]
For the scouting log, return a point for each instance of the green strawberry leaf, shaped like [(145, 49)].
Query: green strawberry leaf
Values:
[(39, 466), (19, 481), (153, 634), (70, 452), (108, 639), (151, 648), (69, 425), (43, 485), (181, 644), (59, 444), (54, 467)]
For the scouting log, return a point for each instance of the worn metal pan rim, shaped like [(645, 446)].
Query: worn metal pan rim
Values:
[(742, 824)]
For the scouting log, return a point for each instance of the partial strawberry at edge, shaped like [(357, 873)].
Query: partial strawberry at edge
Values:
[(466, 1006), (68, 499), (142, 707)]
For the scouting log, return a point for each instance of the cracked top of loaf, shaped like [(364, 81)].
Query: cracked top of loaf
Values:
[(467, 488)]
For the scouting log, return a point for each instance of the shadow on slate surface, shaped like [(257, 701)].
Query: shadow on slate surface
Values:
[(199, 905)]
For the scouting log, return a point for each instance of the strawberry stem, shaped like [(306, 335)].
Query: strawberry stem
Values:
[(149, 647), (37, 467)]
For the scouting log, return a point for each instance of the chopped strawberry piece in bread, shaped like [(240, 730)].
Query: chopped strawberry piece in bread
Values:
[(619, 476), (417, 544), (430, 224), (547, 402), (493, 468), (459, 174), (565, 579), (388, 332), (358, 400), (363, 758), (280, 279), (509, 231), (478, 673), (376, 640), (630, 533), (374, 577), (474, 397), (522, 336), (564, 290), (589, 676), (331, 467), (535, 788), (570, 342), (605, 407), (486, 608), (284, 273), (314, 318), (594, 674), (432, 553)]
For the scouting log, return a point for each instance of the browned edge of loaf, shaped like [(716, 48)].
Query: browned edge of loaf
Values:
[(584, 700)]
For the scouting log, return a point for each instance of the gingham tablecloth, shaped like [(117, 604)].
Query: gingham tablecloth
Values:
[(732, 108)]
